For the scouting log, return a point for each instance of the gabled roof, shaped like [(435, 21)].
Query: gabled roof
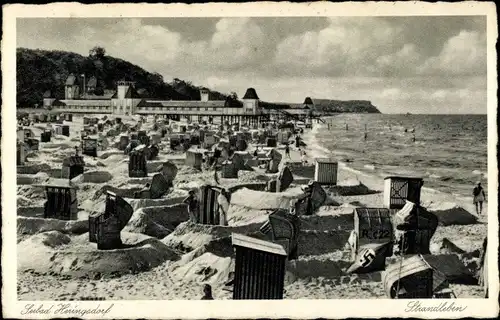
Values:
[(308, 101), (72, 80), (251, 94), (240, 240), (83, 103), (131, 94)]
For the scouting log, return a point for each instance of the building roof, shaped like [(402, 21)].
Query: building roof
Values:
[(274, 106), (308, 100), (240, 240), (296, 111), (233, 103), (131, 93), (280, 105), (184, 104), (82, 102), (72, 80), (251, 94)]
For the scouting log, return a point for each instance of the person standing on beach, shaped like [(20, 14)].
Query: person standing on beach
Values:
[(303, 157), (479, 197), (192, 205), (207, 292), (287, 151)]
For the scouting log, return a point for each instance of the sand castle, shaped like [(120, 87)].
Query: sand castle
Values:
[(204, 202)]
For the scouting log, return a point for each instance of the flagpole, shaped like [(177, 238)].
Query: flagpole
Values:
[(83, 75)]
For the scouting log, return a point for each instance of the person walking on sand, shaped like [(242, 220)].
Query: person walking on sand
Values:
[(287, 151), (303, 157), (479, 197)]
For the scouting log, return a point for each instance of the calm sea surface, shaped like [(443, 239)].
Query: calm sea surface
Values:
[(449, 151)]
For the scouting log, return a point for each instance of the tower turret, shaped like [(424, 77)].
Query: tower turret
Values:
[(204, 94), (251, 101), (72, 88)]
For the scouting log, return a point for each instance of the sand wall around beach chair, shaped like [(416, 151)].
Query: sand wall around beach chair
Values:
[(96, 176), (172, 199), (189, 236), (450, 213), (145, 224), (33, 168), (351, 187), (54, 254), (207, 268), (122, 192), (452, 268), (34, 225), (266, 200), (30, 179), (158, 221)]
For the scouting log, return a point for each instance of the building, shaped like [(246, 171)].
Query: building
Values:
[(127, 101)]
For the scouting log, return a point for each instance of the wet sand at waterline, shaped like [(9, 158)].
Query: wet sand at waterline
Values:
[(171, 258)]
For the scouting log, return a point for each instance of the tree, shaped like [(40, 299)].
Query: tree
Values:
[(97, 52), (233, 95)]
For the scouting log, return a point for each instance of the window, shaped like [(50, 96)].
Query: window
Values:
[(198, 109), (206, 109), (182, 108), (214, 109), (175, 108)]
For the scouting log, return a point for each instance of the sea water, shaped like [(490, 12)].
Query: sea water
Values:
[(448, 151)]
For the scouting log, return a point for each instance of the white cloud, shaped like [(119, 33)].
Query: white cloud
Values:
[(351, 58), (216, 82), (347, 46), (464, 53)]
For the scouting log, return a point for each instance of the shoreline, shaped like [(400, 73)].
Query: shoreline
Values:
[(317, 151), (320, 271)]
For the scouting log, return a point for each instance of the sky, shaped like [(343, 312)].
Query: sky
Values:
[(417, 64)]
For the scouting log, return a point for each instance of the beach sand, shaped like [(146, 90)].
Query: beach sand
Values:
[(56, 262)]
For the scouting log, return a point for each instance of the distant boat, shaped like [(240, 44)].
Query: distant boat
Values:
[(408, 113)]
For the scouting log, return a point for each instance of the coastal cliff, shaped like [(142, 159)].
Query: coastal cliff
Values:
[(348, 106)]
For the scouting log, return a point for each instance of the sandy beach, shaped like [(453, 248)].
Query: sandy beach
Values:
[(171, 258)]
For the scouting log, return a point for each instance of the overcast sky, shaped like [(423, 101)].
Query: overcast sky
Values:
[(402, 64)]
